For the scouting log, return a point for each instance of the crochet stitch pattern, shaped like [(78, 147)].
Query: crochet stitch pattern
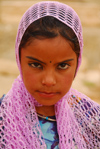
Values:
[(78, 117)]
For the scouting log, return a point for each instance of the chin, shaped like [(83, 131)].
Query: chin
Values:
[(46, 103)]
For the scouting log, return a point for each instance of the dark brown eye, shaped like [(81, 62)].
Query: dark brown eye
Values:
[(35, 65), (63, 66)]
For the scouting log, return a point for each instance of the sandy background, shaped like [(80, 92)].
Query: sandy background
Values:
[(88, 78)]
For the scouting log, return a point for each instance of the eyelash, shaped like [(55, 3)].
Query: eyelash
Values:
[(65, 66), (62, 66), (35, 65)]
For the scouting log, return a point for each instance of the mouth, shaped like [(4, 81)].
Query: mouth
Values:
[(47, 94)]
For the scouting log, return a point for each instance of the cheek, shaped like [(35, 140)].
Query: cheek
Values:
[(67, 81), (30, 80)]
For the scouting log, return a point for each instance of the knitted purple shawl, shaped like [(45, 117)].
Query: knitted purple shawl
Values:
[(78, 117)]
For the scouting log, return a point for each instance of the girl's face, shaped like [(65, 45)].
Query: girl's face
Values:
[(48, 69)]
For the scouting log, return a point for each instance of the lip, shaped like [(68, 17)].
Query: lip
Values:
[(47, 94)]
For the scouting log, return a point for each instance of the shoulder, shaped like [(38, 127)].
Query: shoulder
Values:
[(2, 99), (87, 114), (79, 98), (84, 108)]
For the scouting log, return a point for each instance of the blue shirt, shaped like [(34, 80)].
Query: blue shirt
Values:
[(49, 130)]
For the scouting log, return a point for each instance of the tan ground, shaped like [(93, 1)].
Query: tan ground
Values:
[(88, 78)]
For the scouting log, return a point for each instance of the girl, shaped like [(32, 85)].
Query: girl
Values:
[(42, 110)]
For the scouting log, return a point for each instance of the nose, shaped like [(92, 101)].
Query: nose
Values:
[(49, 79)]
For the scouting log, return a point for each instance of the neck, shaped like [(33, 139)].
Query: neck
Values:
[(46, 110)]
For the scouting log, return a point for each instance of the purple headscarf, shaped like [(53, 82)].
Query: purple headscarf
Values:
[(18, 118)]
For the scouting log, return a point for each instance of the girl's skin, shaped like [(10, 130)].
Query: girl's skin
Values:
[(48, 69)]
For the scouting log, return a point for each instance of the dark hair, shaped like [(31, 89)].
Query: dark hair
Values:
[(49, 27)]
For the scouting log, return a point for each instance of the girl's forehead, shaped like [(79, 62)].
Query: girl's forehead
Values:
[(53, 42), (49, 49)]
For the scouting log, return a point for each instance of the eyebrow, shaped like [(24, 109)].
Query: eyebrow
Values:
[(32, 58), (68, 60)]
